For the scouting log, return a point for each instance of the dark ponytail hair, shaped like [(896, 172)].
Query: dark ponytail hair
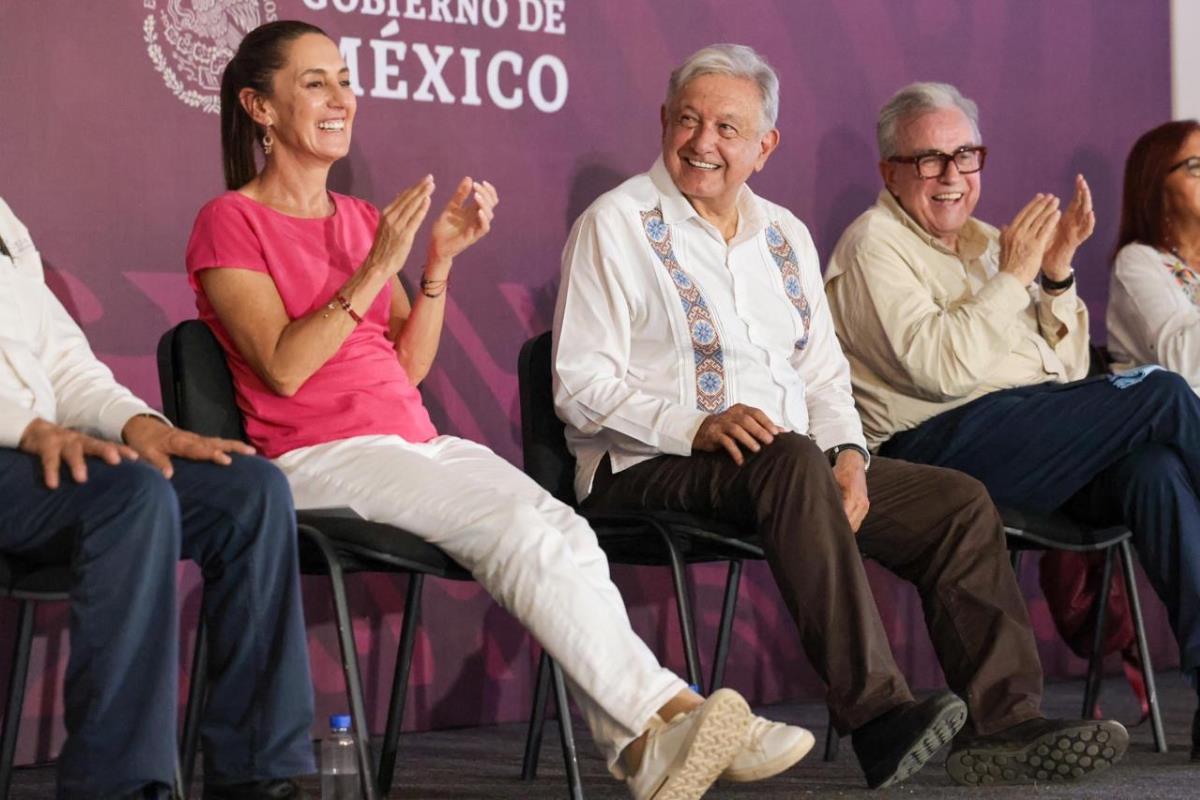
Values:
[(260, 55), (1143, 201)]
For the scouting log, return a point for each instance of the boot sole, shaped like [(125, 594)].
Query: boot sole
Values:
[(720, 735), (936, 736), (1064, 755)]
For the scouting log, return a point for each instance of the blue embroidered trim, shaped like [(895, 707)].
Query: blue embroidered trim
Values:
[(789, 271), (706, 342)]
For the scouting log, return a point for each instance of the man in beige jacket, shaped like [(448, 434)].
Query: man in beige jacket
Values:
[(960, 359)]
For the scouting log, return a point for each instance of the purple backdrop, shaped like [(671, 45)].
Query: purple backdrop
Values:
[(106, 153)]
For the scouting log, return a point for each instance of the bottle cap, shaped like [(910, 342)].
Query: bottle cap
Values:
[(339, 722)]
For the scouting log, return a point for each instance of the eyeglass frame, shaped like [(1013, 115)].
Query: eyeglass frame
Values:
[(1187, 162), (946, 159)]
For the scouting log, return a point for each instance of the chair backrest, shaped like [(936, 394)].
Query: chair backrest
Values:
[(543, 437), (197, 389)]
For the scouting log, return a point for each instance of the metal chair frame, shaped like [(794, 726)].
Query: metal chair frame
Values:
[(37, 585)]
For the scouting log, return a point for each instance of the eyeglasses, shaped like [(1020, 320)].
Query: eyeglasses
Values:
[(1192, 164), (933, 164)]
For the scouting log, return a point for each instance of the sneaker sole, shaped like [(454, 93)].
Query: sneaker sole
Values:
[(719, 736), (770, 769), (1061, 756), (939, 733)]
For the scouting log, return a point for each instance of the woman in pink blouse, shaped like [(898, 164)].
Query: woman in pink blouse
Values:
[(299, 284)]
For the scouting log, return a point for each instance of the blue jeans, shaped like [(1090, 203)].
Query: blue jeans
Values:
[(1102, 454), (123, 531)]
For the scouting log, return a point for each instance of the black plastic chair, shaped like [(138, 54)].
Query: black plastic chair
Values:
[(198, 395), (1056, 531), (634, 537)]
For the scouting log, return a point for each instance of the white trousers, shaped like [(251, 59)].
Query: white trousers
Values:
[(533, 554)]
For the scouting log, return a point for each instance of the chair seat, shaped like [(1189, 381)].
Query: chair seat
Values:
[(27, 581), (366, 546), (632, 537), (1027, 531)]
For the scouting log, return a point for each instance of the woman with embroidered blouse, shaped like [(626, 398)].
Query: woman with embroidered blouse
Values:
[(300, 286), (1154, 295)]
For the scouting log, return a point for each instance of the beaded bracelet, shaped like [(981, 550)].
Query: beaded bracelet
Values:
[(341, 300)]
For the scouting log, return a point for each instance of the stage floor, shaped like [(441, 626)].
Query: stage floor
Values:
[(485, 762)]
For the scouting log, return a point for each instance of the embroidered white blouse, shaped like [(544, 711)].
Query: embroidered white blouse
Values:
[(47, 369), (659, 323), (1153, 312)]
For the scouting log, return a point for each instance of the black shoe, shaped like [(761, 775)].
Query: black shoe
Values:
[(897, 744), (277, 789), (1196, 735), (1038, 750)]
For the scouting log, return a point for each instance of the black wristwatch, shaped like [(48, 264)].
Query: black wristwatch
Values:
[(1057, 286), (838, 449)]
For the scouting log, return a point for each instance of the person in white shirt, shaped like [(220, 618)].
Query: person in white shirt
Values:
[(93, 477), (1154, 295), (1153, 317), (697, 369)]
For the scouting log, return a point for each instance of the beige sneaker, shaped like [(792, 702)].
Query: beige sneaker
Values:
[(685, 756), (771, 747)]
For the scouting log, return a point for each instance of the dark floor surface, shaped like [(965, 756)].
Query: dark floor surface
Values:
[(485, 762)]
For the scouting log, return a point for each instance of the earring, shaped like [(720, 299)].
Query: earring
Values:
[(268, 142)]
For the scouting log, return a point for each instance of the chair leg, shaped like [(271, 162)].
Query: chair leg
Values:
[(345, 631), (16, 693), (565, 732), (728, 610), (1135, 607), (404, 654), (197, 690), (691, 651), (833, 742), (537, 720), (1091, 691)]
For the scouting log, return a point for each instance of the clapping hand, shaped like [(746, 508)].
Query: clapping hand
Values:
[(398, 224), (465, 220), (1076, 225), (1023, 242)]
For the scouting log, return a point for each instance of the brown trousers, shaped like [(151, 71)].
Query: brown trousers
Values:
[(934, 527)]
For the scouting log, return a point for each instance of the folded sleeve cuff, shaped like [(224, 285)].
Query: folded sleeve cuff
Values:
[(1004, 293), (680, 431), (116, 414), (1063, 306), (13, 423)]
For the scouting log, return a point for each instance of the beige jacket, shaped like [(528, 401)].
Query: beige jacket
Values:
[(926, 329)]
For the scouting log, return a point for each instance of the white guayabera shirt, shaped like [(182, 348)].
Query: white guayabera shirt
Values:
[(47, 369), (660, 323)]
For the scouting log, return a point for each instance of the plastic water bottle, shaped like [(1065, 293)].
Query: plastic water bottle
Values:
[(339, 762)]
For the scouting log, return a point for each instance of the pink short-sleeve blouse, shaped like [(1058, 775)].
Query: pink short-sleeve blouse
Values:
[(361, 389)]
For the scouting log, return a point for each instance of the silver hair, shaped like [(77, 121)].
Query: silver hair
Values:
[(738, 61), (914, 100)]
